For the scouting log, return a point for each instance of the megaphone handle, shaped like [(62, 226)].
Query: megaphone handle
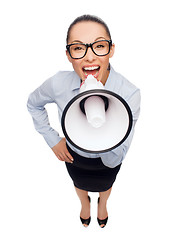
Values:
[(105, 100)]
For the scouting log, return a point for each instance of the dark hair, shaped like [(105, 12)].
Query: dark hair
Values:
[(88, 18)]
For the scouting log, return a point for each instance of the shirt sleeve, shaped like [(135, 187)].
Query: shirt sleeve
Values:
[(36, 106), (119, 153), (134, 104)]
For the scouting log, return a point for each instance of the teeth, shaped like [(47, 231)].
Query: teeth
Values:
[(91, 68)]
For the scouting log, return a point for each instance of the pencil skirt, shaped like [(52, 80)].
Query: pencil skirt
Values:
[(90, 174)]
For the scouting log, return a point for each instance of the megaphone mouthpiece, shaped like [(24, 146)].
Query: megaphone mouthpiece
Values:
[(91, 83)]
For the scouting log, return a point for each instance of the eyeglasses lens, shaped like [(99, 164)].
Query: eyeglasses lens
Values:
[(77, 50), (101, 48)]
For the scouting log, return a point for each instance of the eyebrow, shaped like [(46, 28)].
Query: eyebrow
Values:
[(100, 38), (78, 41)]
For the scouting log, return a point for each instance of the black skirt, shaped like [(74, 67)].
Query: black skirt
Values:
[(90, 174)]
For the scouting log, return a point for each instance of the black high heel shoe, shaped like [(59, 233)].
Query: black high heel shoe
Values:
[(86, 221), (102, 222)]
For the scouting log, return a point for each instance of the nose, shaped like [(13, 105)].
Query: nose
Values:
[(90, 56)]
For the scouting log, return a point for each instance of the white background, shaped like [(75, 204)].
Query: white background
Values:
[(37, 199)]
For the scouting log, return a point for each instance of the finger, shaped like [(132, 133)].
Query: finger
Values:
[(65, 158), (60, 157), (69, 156)]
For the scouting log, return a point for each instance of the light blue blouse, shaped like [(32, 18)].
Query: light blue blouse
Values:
[(60, 89)]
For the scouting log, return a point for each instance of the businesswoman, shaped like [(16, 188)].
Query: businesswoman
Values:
[(89, 49)]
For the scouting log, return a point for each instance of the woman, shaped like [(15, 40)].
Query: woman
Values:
[(90, 172)]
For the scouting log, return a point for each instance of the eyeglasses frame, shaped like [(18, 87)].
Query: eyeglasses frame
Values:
[(87, 46)]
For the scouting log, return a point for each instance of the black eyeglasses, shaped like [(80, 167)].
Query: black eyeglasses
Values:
[(99, 48)]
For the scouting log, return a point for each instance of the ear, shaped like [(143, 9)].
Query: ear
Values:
[(68, 56), (112, 50)]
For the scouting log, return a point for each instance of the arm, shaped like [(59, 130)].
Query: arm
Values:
[(116, 156), (134, 103), (36, 106)]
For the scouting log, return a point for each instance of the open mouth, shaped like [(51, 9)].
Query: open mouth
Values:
[(92, 70)]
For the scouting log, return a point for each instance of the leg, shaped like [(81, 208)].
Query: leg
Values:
[(85, 203), (102, 206)]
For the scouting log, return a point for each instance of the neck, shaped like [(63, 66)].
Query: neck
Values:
[(106, 77)]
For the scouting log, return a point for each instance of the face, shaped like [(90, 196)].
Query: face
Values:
[(89, 32)]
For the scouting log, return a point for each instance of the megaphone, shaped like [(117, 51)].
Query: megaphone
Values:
[(96, 120)]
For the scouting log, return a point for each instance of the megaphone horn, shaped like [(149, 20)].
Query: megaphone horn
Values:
[(96, 120)]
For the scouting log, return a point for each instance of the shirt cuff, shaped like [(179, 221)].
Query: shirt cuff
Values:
[(52, 139)]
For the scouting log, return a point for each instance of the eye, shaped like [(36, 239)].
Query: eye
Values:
[(78, 48), (100, 46)]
